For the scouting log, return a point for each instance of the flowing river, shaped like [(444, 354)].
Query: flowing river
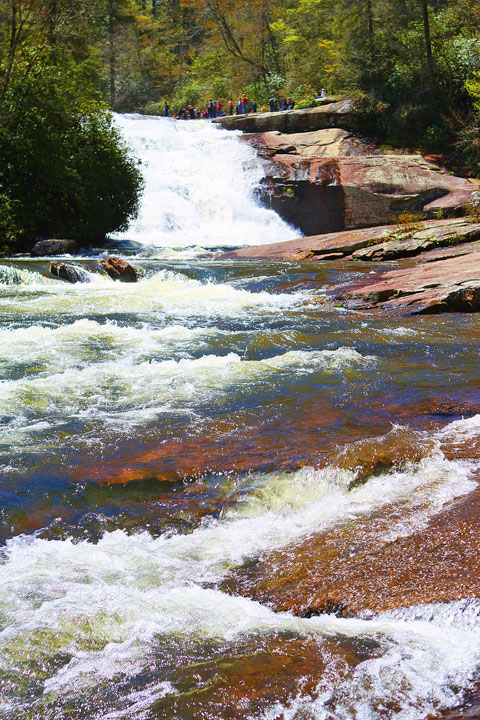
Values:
[(161, 440)]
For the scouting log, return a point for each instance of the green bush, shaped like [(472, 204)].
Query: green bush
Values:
[(64, 170)]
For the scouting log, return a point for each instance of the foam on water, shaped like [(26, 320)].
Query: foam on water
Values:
[(201, 181), (120, 391), (165, 291), (104, 607), (10, 275)]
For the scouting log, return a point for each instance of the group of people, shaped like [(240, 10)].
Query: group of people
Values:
[(214, 108)]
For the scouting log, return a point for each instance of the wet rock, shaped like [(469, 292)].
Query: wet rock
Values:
[(407, 241), (54, 247), (244, 677), (119, 269), (68, 271), (365, 566), (375, 456), (377, 243), (450, 285)]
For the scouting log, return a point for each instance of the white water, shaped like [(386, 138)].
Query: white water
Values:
[(100, 360), (108, 606), (201, 181)]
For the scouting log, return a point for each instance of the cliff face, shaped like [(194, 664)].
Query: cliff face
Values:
[(330, 179)]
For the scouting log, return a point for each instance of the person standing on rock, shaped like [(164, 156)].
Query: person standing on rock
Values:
[(244, 104), (254, 106), (230, 107), (272, 104), (166, 108)]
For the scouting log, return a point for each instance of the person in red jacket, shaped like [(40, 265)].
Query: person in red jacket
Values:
[(230, 107)]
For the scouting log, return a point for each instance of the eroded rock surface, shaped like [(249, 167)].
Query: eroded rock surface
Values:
[(351, 191), (451, 285), (382, 561), (377, 243)]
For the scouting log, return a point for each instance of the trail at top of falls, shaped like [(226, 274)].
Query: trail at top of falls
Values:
[(199, 186)]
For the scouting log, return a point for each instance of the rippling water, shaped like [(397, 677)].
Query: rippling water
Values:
[(158, 436)]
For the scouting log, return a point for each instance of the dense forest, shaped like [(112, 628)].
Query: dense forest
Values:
[(412, 67)]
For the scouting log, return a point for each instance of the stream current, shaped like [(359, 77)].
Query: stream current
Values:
[(158, 436)]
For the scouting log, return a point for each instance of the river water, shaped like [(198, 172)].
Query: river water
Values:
[(158, 436)]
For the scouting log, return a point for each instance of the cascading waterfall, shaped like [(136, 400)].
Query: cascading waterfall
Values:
[(200, 186)]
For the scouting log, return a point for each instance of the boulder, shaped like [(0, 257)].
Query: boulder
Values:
[(118, 269), (69, 272), (54, 246)]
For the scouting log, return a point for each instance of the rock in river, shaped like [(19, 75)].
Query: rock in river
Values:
[(54, 246), (68, 271), (119, 269)]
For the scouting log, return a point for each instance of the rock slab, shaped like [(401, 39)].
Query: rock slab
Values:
[(333, 114), (326, 178)]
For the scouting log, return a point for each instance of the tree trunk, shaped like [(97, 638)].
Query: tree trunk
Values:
[(111, 51), (370, 20), (428, 41)]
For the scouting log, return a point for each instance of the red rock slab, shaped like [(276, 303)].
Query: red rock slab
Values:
[(450, 285), (351, 568), (402, 179), (284, 443), (345, 242)]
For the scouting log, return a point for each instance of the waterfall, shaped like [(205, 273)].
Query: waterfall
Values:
[(200, 185)]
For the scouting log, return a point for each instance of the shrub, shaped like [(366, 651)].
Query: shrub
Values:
[(64, 168)]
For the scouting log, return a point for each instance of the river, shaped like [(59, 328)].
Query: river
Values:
[(161, 438)]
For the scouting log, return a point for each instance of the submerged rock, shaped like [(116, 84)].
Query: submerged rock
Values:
[(54, 246), (119, 269), (68, 271), (378, 561)]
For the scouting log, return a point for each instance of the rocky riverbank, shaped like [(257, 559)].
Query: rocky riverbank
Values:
[(323, 177), (345, 192), (444, 277)]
